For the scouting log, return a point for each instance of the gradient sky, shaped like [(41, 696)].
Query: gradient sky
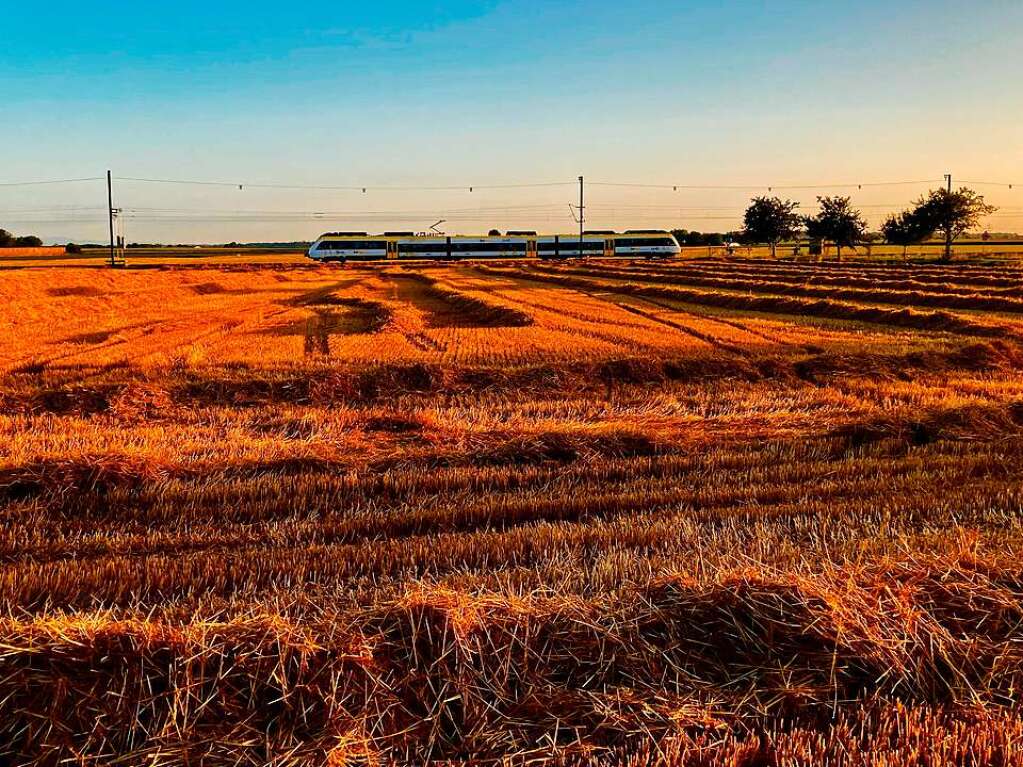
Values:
[(403, 93)]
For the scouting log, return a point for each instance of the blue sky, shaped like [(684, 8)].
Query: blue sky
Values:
[(432, 93)]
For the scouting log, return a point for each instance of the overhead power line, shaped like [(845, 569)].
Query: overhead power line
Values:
[(325, 212), (519, 185), (54, 209), (659, 210), (50, 181), (769, 187), (1007, 184), (241, 185)]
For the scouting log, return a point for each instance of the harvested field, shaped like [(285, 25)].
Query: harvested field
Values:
[(712, 512)]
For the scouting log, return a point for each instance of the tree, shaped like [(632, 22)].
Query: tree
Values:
[(905, 229), (771, 220), (686, 237), (838, 222), (951, 213), (8, 240), (494, 233)]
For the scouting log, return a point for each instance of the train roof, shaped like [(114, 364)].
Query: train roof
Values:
[(511, 234)]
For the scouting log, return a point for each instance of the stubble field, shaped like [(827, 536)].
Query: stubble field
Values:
[(711, 512)]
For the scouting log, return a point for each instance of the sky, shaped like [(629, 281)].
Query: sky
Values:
[(402, 93)]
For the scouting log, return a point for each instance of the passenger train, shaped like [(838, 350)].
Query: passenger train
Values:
[(402, 246)]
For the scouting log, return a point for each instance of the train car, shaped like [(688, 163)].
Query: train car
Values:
[(406, 246), (460, 247), (350, 246), (649, 243), (554, 246), (646, 243)]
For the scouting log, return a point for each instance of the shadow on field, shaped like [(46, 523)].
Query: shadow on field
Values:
[(449, 308)]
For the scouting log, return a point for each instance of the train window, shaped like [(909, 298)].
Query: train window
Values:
[(571, 245), (357, 245), (478, 247), (643, 242), (422, 247)]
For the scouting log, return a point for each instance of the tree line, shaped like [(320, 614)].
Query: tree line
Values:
[(944, 212), (8, 240)]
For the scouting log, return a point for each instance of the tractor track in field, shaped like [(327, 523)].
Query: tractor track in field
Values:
[(811, 348), (705, 337), (589, 333), (931, 321), (730, 323)]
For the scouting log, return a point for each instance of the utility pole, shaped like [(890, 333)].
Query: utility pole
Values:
[(110, 217), (948, 224), (582, 216)]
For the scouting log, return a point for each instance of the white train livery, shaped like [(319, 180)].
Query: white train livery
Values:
[(406, 246)]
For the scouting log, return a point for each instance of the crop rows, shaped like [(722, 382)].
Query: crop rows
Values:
[(655, 515), (882, 294)]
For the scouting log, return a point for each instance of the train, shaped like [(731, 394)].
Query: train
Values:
[(340, 247)]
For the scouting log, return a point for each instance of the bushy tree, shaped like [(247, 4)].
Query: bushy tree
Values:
[(951, 213), (905, 229), (8, 240), (836, 221), (686, 237), (771, 220)]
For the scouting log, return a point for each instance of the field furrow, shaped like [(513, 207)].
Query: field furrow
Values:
[(574, 514)]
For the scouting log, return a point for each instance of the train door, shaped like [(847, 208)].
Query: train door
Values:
[(392, 249), (609, 248)]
